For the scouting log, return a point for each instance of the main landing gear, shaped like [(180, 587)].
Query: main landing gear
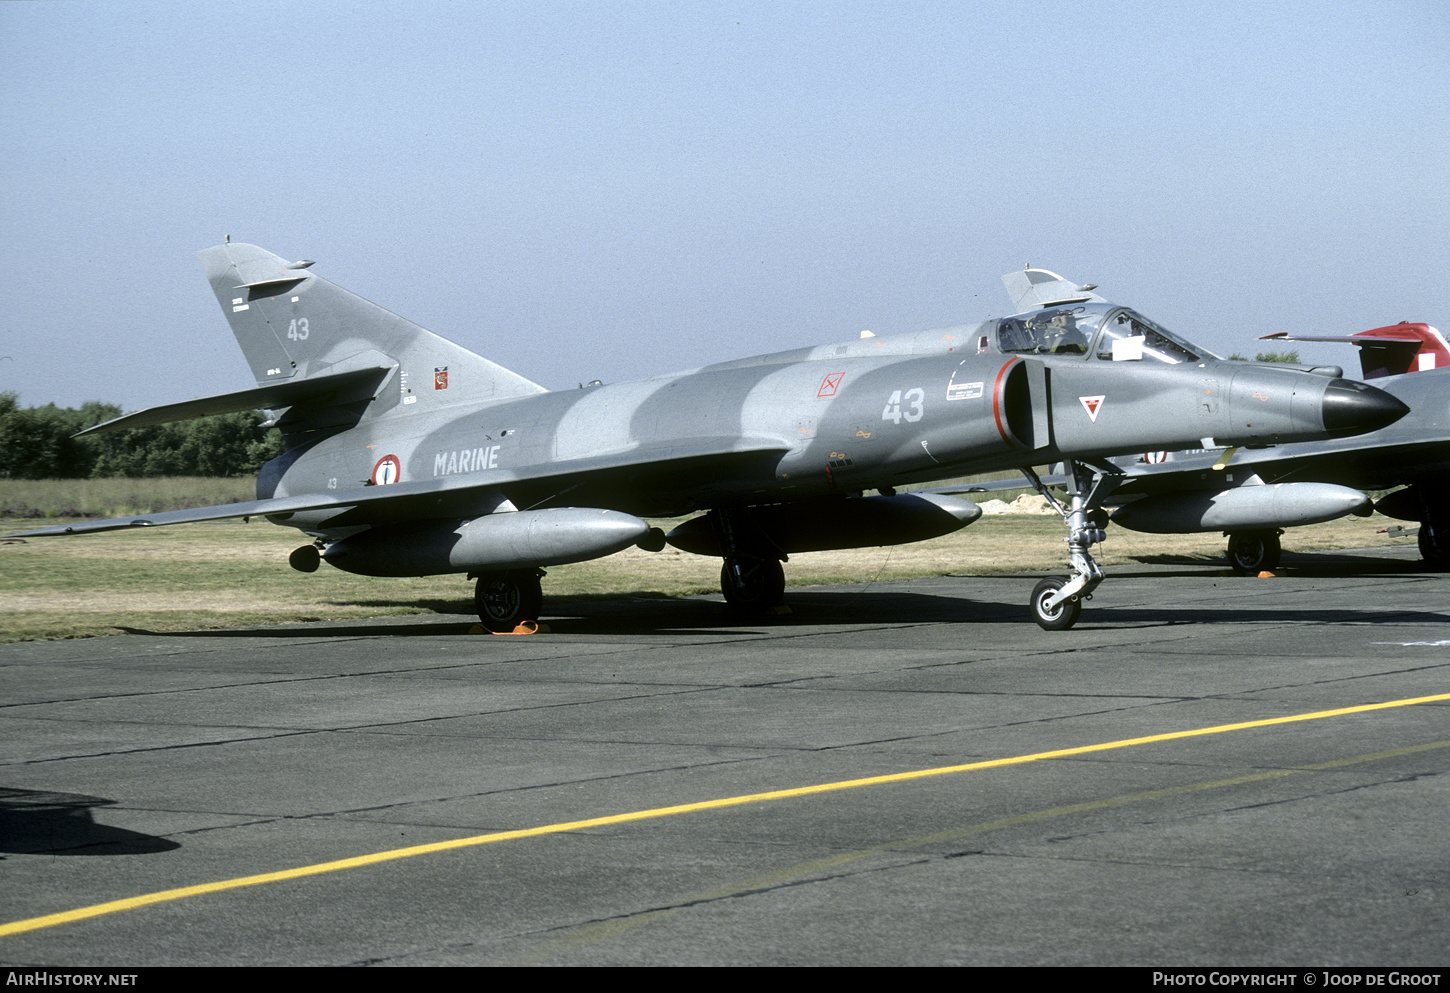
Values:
[(751, 585), (1434, 538), (504, 600), (1057, 603), (1253, 552), (1434, 542), (752, 578)]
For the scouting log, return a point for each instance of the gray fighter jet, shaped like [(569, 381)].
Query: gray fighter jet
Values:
[(1252, 495), (408, 455)]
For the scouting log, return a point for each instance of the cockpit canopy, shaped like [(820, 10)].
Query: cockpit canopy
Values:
[(1100, 331)]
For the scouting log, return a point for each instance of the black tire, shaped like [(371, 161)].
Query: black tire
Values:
[(504, 600), (1253, 552), (1434, 542), (759, 585), (1058, 618)]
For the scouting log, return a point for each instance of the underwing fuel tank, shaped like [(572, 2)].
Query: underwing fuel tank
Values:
[(858, 522), (1276, 505), (501, 541)]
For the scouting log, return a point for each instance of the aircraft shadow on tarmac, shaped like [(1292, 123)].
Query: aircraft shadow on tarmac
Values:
[(646, 614), (653, 614), (1107, 617), (1311, 565), (900, 608), (36, 822)]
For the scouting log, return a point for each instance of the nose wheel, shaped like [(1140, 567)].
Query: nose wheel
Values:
[(1054, 618)]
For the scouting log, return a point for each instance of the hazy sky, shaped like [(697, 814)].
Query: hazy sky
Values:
[(611, 190)]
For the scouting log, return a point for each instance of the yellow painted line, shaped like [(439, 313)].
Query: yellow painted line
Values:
[(592, 934), (166, 896)]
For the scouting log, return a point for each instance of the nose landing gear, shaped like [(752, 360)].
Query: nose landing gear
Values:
[(1057, 603)]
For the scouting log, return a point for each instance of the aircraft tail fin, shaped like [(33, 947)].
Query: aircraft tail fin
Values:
[(1420, 347), (293, 325), (1392, 350)]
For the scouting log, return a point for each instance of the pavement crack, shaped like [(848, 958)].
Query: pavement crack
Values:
[(112, 753), (740, 893)]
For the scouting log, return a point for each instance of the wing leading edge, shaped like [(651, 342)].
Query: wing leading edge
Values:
[(578, 482)]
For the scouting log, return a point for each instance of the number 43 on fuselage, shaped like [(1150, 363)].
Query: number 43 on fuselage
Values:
[(408, 455)]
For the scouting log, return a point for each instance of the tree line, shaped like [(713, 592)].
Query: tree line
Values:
[(38, 443)]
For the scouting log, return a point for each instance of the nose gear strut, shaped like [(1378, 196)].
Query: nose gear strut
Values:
[(1057, 603)]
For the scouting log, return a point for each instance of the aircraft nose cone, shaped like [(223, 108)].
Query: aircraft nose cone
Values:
[(1354, 408)]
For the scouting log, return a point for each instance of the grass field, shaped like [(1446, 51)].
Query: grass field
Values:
[(76, 498), (233, 574)]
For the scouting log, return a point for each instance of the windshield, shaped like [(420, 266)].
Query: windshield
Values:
[(1129, 335)]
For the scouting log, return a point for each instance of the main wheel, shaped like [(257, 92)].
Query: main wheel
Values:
[(1434, 542), (1253, 552), (506, 599), (752, 586), (1058, 618)]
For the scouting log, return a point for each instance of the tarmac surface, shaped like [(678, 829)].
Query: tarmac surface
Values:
[(139, 764)]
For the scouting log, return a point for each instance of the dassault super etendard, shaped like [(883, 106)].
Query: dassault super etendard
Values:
[(408, 455)]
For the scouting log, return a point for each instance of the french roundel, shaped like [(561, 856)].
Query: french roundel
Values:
[(388, 469)]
